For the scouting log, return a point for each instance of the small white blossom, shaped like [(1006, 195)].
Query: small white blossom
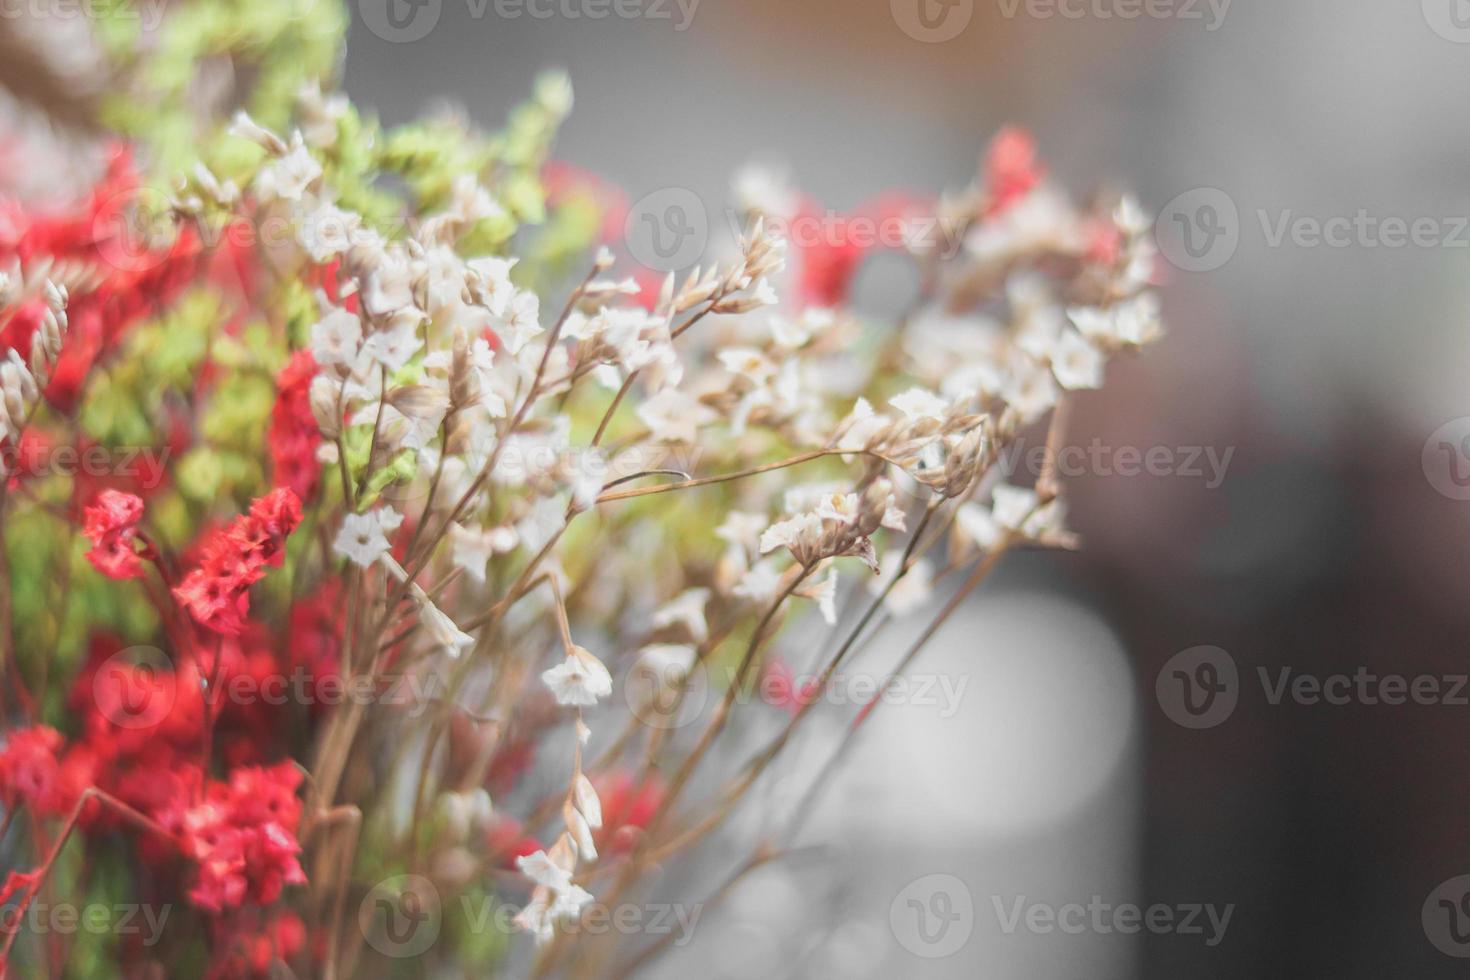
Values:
[(674, 416), (916, 403), (363, 538), (687, 608), (580, 679), (396, 345), (844, 508), (520, 321), (336, 338), (287, 177), (1076, 363)]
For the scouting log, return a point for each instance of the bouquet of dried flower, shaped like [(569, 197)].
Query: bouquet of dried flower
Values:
[(369, 517)]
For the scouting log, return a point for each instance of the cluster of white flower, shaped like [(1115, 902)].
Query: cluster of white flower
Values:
[(482, 438)]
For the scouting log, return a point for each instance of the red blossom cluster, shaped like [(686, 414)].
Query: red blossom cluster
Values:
[(293, 436), (242, 837), (110, 524), (217, 591), (127, 275)]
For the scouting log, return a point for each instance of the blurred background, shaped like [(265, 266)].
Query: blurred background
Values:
[(1326, 366)]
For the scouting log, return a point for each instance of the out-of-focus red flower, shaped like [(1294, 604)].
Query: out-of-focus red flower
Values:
[(29, 771), (249, 950), (133, 277), (242, 837), (565, 182), (110, 523), (627, 806), (293, 436), (314, 641), (780, 687), (506, 840), (216, 592), (1011, 168)]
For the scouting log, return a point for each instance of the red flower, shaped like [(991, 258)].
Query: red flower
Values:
[(216, 593), (1011, 168), (29, 771), (111, 523), (271, 520), (242, 838), (250, 949), (293, 436), (627, 806), (506, 840)]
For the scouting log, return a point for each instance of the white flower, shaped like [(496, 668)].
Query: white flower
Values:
[(742, 529), (442, 630), (860, 427), (1138, 320), (674, 416), (394, 346), (687, 608), (801, 531), (472, 548), (287, 177), (840, 507), (542, 870), (748, 363), (824, 594), (1017, 509), (916, 403), (791, 334), (536, 918), (976, 524), (1135, 322), (388, 287), (1030, 390), (520, 321), (546, 517), (1012, 506), (491, 277), (336, 337), (910, 592), (668, 662), (326, 231), (363, 538), (764, 293), (759, 582), (1076, 363), (760, 187), (580, 679)]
